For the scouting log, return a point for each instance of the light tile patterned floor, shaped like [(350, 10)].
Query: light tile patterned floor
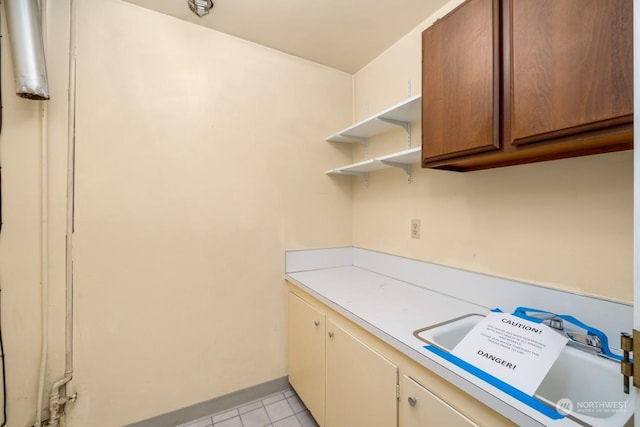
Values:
[(283, 409)]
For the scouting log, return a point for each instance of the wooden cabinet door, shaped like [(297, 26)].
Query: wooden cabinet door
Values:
[(307, 355), (361, 384), (460, 82), (571, 66), (421, 408)]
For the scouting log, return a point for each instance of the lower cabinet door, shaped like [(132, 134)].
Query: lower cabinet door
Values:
[(360, 383), (306, 354), (421, 408)]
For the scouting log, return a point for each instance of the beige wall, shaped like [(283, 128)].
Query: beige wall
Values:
[(200, 159), (566, 224)]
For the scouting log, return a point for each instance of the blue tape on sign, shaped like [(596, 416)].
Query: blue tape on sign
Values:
[(499, 384)]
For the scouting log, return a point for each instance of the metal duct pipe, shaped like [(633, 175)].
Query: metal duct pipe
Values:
[(27, 48)]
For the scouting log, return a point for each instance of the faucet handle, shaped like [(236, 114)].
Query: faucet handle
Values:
[(546, 318), (555, 323), (594, 341)]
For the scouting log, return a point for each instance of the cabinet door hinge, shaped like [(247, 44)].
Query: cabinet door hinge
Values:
[(398, 391), (628, 367)]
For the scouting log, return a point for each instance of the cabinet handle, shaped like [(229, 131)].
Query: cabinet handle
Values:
[(316, 322), (412, 401), (330, 334)]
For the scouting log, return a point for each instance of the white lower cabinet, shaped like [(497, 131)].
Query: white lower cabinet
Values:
[(421, 408), (347, 377), (342, 381), (306, 355), (360, 383)]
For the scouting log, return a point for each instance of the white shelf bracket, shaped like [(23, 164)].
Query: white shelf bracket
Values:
[(404, 125), (404, 166)]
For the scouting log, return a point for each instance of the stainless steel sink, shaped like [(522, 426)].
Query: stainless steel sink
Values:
[(582, 386)]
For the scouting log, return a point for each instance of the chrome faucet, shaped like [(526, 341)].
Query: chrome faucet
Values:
[(587, 342), (580, 335)]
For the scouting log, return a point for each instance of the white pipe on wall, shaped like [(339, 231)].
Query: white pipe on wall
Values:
[(57, 400), (44, 249), (44, 257), (27, 49), (71, 172)]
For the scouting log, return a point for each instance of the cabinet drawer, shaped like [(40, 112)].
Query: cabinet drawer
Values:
[(421, 408)]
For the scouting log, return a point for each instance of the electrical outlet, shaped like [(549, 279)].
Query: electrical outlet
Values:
[(415, 228)]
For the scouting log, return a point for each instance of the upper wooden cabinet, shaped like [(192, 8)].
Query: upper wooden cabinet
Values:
[(519, 81), (571, 67), (460, 92)]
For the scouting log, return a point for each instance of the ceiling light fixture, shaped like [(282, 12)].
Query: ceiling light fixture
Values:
[(200, 7)]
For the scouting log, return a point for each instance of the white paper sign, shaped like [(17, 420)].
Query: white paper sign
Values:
[(514, 350)]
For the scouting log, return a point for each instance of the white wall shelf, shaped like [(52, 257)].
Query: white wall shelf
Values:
[(401, 114), (401, 159)]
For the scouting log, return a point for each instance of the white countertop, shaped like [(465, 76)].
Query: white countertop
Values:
[(392, 309)]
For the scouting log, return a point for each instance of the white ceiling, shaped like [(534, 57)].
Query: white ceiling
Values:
[(342, 34)]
